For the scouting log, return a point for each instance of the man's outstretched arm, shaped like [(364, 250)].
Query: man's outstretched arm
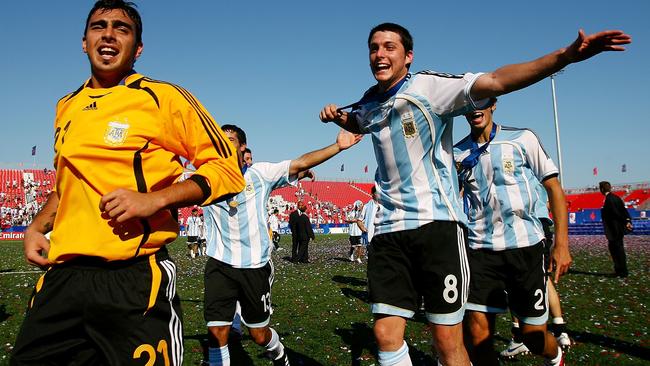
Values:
[(518, 76), (344, 141)]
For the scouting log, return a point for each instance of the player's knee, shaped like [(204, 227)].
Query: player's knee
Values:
[(387, 337), (218, 336), (261, 336)]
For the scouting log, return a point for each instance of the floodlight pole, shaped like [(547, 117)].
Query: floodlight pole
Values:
[(557, 127)]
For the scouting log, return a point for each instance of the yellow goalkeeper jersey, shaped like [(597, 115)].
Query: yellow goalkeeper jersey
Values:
[(131, 136)]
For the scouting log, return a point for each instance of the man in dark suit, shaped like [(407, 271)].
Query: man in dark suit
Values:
[(617, 222), (293, 219), (301, 233)]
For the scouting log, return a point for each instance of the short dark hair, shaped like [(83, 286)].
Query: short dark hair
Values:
[(127, 6), (247, 150), (407, 40), (605, 186), (241, 135)]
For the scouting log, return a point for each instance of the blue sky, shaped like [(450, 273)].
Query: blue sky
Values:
[(271, 66)]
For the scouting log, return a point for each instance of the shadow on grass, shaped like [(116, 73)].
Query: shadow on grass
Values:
[(352, 281), (7, 270), (360, 337), (600, 274), (3, 313), (239, 356), (359, 294), (625, 347), (299, 359)]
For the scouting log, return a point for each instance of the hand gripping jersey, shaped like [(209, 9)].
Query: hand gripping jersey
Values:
[(412, 137), (131, 136), (500, 190), (236, 228)]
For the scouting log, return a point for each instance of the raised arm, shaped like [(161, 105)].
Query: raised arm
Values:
[(518, 76), (35, 243), (309, 160), (561, 257)]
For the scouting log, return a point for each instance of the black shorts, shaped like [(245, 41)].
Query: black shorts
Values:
[(225, 285), (512, 278), (355, 240), (429, 262), (91, 312), (192, 240)]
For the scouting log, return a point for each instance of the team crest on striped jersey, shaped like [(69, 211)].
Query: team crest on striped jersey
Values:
[(509, 166), (116, 133), (409, 128), (249, 190)]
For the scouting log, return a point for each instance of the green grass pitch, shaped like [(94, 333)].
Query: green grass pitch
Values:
[(322, 314)]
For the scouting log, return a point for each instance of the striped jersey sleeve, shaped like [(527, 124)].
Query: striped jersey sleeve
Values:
[(538, 159)]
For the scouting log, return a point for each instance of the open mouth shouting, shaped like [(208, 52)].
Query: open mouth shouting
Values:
[(380, 66), (107, 53), (475, 117)]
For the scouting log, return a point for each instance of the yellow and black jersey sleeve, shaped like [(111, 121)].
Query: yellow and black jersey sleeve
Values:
[(191, 132)]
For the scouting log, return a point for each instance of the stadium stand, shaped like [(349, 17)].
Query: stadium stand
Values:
[(23, 191)]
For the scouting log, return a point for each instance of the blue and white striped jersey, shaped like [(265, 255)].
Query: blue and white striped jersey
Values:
[(368, 215), (500, 191), (413, 141), (353, 227), (541, 197), (237, 232), (193, 226)]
